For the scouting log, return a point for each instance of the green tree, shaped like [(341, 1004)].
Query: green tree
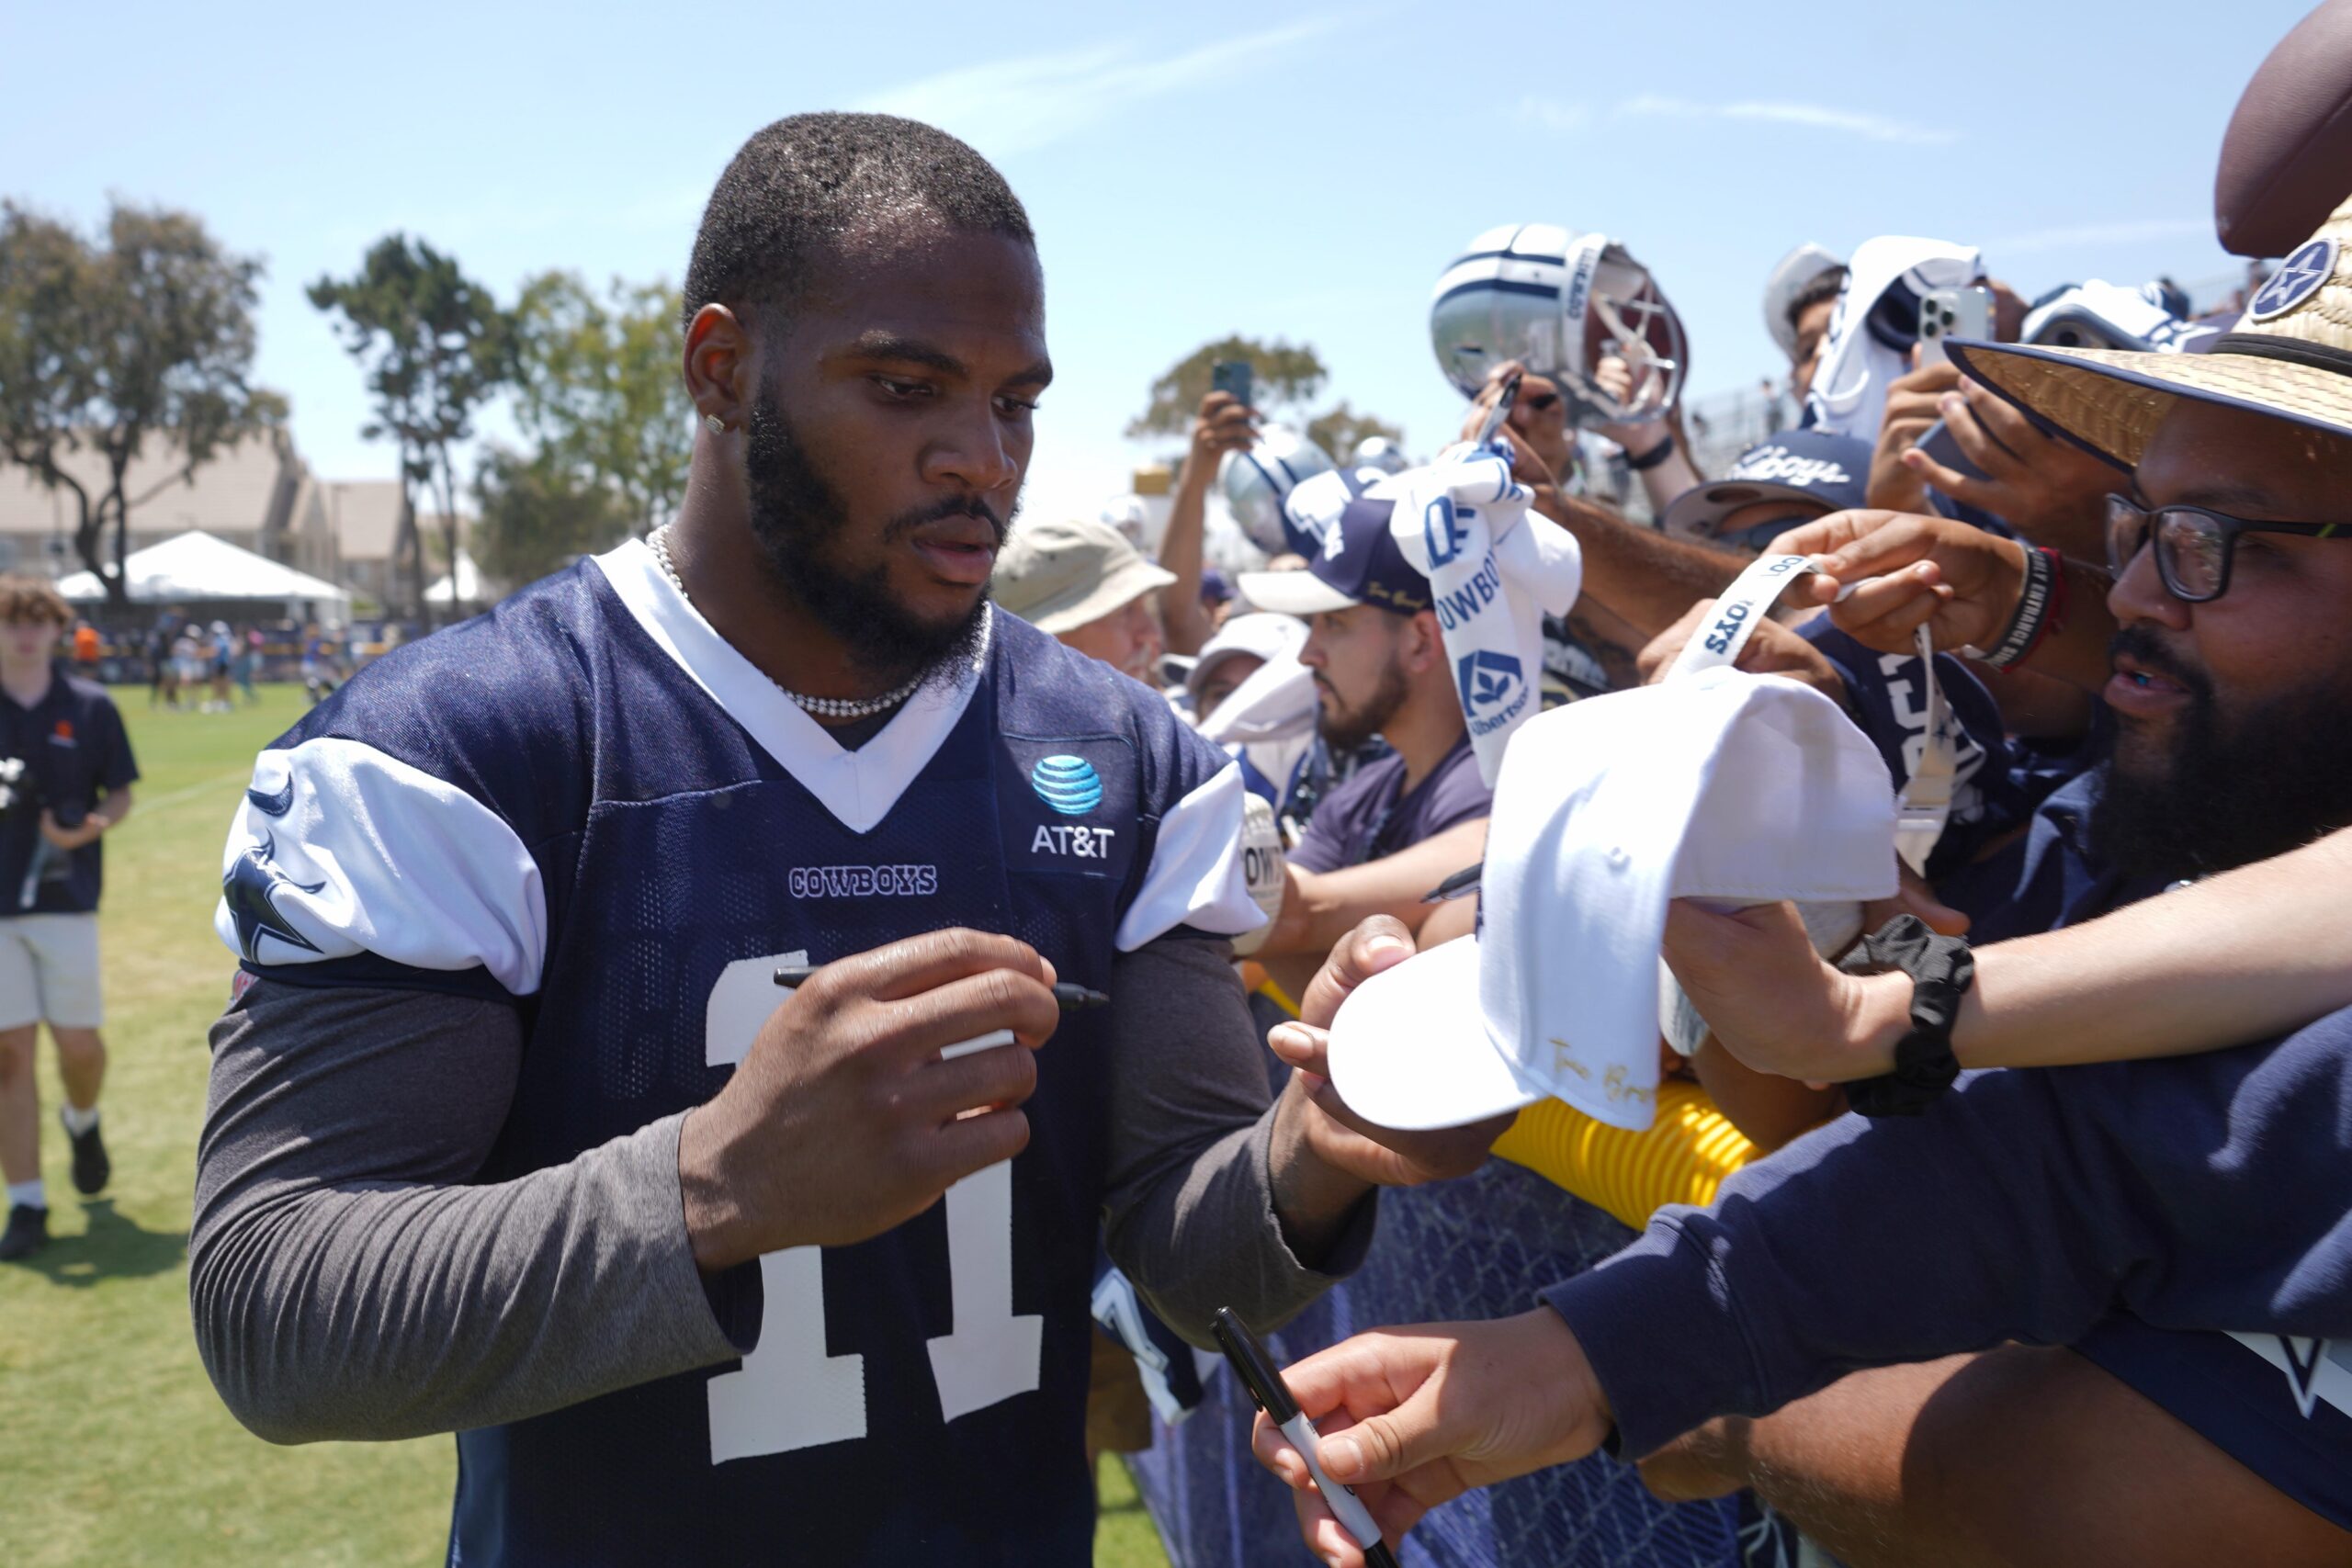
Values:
[(598, 386), (148, 333), (1338, 430), (436, 346), (536, 514), (1286, 378)]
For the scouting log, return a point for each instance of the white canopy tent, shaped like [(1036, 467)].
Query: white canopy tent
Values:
[(195, 569), (462, 586)]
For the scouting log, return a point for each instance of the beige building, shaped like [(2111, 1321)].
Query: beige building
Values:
[(258, 495)]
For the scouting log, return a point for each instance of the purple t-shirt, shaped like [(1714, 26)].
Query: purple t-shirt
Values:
[(1371, 815)]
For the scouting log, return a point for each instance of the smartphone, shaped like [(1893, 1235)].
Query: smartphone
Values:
[(1939, 444), (1235, 376), (1950, 313)]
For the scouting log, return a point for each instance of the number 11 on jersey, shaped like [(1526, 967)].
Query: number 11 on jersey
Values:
[(790, 1394)]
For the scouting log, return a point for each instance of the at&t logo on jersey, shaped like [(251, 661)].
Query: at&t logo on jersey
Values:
[(1074, 842), (1069, 785), (862, 881)]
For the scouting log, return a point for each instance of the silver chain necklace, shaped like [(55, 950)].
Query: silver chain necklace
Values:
[(831, 708)]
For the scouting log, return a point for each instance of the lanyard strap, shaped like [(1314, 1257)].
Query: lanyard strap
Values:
[(1925, 803)]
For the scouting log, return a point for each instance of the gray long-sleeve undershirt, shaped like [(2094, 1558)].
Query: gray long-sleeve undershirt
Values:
[(349, 1280)]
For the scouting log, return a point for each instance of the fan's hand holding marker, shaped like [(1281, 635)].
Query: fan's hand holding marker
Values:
[(1258, 1375)]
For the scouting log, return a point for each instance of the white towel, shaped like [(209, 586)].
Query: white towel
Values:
[(1849, 396), (1495, 571)]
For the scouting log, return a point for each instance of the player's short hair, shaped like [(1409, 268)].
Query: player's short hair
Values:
[(797, 189), (1826, 286), (26, 599)]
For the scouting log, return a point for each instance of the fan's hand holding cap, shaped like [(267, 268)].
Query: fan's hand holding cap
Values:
[(1724, 785)]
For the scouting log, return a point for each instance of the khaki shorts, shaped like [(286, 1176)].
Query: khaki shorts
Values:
[(48, 971)]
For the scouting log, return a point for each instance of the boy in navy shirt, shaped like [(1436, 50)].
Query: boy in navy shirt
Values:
[(65, 775)]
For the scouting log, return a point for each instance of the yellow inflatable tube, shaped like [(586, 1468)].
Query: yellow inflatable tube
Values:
[(1683, 1157)]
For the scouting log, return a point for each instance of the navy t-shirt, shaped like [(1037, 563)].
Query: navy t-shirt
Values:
[(66, 752), (1373, 815)]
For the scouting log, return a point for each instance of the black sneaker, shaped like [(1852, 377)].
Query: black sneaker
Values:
[(91, 1166), (28, 1233)]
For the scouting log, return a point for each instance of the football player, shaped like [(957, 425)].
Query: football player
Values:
[(511, 1133)]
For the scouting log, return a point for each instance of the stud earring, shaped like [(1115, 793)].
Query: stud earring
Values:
[(718, 425)]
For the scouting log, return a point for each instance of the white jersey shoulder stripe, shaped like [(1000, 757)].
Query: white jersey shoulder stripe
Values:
[(1197, 877), (340, 850), (858, 787)]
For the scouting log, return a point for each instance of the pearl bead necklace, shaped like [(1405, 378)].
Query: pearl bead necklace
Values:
[(829, 707)]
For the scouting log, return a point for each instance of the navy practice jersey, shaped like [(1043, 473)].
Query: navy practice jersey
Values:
[(588, 805)]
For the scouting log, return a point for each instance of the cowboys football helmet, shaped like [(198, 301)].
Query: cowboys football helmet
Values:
[(1560, 302), (1257, 482)]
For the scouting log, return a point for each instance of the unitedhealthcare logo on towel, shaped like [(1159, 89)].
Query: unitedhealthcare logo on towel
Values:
[(1069, 785), (1494, 689)]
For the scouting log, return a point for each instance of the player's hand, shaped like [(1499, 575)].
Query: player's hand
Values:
[(842, 1121), (1412, 1417), (1912, 406), (2050, 489), (1961, 581), (1313, 1111), (1772, 648)]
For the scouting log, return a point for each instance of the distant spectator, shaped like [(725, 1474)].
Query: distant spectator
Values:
[(1081, 583), (66, 776)]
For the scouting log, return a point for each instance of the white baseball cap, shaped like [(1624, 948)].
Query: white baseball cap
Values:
[(1724, 785)]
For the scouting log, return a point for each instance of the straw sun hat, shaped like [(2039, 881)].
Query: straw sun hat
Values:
[(2289, 357)]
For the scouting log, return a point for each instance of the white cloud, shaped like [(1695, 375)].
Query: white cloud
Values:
[(1012, 105), (1816, 117), (2100, 234), (1551, 114)]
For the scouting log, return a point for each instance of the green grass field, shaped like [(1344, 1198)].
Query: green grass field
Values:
[(113, 1447)]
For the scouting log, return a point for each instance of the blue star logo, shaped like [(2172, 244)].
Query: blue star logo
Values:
[(2298, 278), (251, 892)]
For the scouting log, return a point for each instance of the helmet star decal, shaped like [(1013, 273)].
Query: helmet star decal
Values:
[(250, 891)]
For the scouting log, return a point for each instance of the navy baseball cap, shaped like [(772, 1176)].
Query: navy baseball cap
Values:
[(1358, 564), (1810, 469)]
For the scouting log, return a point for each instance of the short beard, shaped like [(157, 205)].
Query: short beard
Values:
[(1348, 733), (2274, 778), (799, 519)]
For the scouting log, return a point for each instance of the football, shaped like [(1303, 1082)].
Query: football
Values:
[(2287, 157)]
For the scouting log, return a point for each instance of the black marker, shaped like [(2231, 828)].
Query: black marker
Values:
[(1069, 998), (1461, 885), (1257, 1372)]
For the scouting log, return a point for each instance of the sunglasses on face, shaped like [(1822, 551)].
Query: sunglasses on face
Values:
[(2195, 545)]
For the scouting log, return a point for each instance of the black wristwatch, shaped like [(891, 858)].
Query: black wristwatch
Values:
[(1941, 969)]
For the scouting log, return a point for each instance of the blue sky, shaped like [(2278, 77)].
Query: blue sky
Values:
[(1304, 172)]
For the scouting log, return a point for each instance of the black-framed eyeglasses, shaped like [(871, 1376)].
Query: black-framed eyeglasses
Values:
[(2195, 545)]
